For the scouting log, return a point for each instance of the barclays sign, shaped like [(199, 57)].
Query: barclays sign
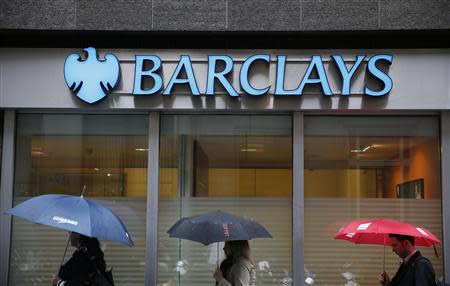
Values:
[(93, 79)]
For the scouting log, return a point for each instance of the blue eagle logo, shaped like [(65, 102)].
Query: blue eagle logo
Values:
[(91, 79)]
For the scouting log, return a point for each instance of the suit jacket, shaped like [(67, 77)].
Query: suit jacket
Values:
[(418, 271)]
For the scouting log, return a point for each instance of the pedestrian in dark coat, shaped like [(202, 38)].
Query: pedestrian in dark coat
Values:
[(80, 269), (415, 270)]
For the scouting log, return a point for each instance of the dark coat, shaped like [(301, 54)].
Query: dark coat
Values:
[(418, 271), (78, 270)]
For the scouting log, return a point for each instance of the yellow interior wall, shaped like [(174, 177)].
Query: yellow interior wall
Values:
[(255, 182), (95, 184), (273, 182), (136, 182), (249, 182), (321, 183), (231, 182), (340, 183), (168, 182), (358, 183)]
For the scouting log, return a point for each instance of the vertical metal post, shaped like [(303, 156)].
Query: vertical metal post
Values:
[(6, 193), (445, 177), (298, 205), (151, 250)]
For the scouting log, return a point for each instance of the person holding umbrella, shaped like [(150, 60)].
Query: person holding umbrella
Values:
[(86, 220), (218, 226), (415, 268), (403, 237), (86, 261), (236, 269)]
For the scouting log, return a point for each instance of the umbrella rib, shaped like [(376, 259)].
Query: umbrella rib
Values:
[(89, 215)]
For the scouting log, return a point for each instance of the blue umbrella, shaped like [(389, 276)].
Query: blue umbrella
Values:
[(75, 214), (217, 226)]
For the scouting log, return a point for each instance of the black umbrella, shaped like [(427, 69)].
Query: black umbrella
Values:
[(217, 226)]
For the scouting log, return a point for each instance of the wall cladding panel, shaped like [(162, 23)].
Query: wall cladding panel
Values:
[(38, 15), (263, 15), (414, 14), (189, 15)]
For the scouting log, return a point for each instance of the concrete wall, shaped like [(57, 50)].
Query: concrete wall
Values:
[(225, 15)]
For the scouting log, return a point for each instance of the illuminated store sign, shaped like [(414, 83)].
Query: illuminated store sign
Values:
[(92, 79)]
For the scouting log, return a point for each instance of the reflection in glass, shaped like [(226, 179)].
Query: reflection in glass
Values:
[(238, 164), (367, 168), (60, 154)]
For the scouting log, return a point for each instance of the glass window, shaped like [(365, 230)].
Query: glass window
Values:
[(367, 168), (1, 138), (239, 164), (58, 154)]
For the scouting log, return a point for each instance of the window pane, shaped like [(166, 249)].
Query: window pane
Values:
[(1, 138), (367, 168), (58, 154), (239, 164)]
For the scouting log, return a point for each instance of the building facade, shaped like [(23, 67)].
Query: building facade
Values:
[(301, 115)]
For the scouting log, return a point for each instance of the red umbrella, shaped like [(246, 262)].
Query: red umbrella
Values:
[(377, 232)]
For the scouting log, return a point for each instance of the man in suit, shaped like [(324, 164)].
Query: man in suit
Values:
[(415, 269)]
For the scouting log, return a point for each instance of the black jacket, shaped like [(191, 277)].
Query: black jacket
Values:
[(78, 270), (418, 271)]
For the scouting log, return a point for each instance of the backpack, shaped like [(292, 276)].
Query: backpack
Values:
[(99, 278), (102, 279), (441, 283)]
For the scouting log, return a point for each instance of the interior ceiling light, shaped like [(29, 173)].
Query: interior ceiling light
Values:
[(141, 149), (253, 147), (250, 150), (362, 149), (37, 151)]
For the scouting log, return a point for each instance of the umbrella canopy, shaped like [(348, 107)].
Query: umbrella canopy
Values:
[(377, 232), (217, 226), (76, 214)]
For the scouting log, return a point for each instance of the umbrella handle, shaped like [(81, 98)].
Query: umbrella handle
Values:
[(82, 191), (65, 250), (217, 259), (384, 253), (435, 250)]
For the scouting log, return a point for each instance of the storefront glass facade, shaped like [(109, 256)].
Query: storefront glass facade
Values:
[(59, 154), (355, 167)]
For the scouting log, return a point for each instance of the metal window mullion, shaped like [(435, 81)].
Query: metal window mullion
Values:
[(445, 171), (6, 193), (298, 205), (151, 253)]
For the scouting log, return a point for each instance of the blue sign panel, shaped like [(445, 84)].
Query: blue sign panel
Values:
[(91, 79)]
